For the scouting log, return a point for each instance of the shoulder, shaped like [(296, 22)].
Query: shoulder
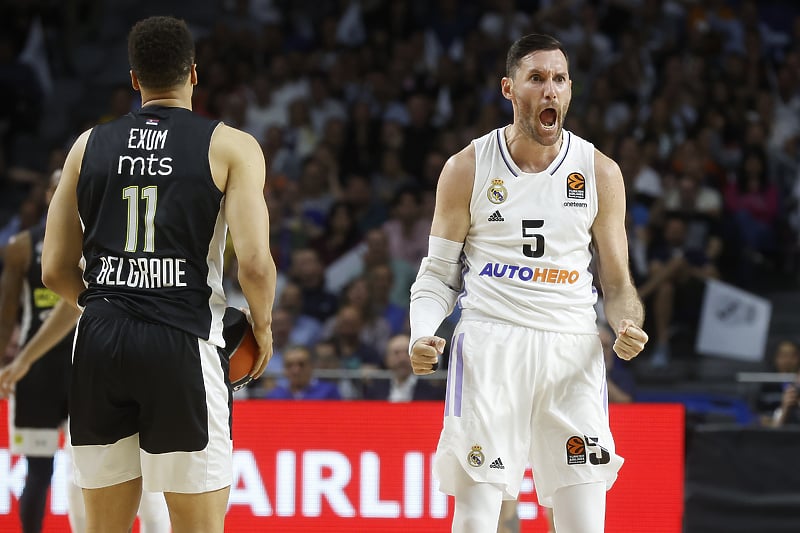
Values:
[(79, 146), (608, 176), (228, 138), (461, 162), (458, 173), (605, 167), (234, 148)]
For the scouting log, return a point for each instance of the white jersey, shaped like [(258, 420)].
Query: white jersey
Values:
[(526, 255)]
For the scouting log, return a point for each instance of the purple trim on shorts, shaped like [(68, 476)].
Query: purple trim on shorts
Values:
[(459, 374), (449, 382)]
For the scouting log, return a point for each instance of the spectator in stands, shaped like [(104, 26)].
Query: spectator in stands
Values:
[(407, 230), (379, 285), (262, 113), (339, 235), (362, 143), (677, 277), (785, 360), (789, 411), (370, 212), (390, 176), (752, 200), (377, 253), (375, 327), (316, 193), (298, 368), (281, 162), (353, 352), (306, 329), (299, 132), (307, 271), (404, 385)]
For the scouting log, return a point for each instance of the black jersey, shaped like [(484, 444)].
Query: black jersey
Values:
[(36, 299), (154, 230)]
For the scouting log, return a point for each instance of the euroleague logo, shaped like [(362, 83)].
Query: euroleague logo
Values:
[(576, 451), (576, 186)]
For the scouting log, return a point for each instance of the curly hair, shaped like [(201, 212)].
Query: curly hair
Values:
[(528, 44), (160, 52)]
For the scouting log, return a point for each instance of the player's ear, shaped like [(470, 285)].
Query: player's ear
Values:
[(134, 81), (193, 74), (506, 84)]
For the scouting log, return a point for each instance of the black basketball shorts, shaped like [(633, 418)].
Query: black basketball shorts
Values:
[(148, 400)]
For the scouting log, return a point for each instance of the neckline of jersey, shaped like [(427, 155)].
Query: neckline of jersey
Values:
[(566, 137)]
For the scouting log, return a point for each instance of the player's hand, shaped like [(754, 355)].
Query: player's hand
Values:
[(630, 340), (425, 354), (264, 339), (10, 374)]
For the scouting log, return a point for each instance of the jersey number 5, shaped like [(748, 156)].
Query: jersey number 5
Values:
[(150, 197), (537, 248)]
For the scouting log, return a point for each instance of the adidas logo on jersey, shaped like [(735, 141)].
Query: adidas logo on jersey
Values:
[(497, 463), (496, 217)]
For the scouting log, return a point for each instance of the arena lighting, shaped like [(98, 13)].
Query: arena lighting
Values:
[(366, 466)]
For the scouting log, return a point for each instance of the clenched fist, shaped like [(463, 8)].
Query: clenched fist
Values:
[(425, 354), (630, 340)]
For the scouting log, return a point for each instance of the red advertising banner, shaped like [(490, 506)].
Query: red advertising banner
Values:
[(366, 466)]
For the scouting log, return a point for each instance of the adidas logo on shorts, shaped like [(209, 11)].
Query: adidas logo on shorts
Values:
[(497, 463), (496, 217)]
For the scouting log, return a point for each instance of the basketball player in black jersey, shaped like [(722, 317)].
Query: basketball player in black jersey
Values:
[(39, 405), (144, 201)]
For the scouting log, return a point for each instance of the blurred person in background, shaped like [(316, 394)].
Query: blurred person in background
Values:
[(37, 388), (300, 383), (675, 283), (308, 272), (789, 411), (785, 359), (407, 230)]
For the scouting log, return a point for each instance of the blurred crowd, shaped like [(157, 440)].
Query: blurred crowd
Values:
[(358, 104)]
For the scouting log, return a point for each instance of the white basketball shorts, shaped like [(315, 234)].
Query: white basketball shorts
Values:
[(519, 396)]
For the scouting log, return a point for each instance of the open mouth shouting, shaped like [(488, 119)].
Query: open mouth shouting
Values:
[(547, 118)]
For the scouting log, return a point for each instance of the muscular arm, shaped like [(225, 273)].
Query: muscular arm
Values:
[(433, 293), (63, 237), (17, 258), (623, 308), (248, 221), (59, 322), (451, 216)]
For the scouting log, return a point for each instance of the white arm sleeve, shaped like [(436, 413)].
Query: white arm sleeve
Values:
[(438, 283)]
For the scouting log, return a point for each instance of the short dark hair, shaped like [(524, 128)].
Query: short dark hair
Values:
[(160, 52), (528, 44)]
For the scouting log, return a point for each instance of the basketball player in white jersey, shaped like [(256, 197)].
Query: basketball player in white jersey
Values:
[(518, 214)]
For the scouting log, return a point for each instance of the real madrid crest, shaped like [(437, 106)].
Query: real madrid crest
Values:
[(475, 456), (497, 193)]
